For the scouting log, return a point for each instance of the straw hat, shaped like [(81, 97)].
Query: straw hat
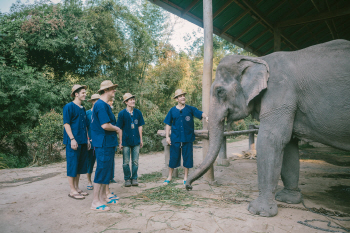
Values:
[(106, 84), (127, 96), (179, 92), (94, 97), (76, 87)]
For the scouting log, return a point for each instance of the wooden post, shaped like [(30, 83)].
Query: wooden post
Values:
[(251, 138), (207, 74), (222, 160), (277, 39)]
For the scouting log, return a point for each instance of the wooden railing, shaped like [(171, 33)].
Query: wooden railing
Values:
[(222, 158)]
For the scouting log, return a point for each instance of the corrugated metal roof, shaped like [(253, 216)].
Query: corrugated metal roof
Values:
[(250, 23)]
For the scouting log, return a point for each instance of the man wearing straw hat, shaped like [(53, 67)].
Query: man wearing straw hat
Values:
[(91, 153), (75, 137), (130, 120), (180, 120), (104, 136)]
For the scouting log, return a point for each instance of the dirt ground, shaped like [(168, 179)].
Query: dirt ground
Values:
[(35, 199)]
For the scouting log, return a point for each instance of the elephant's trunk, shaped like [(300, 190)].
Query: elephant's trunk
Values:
[(216, 135)]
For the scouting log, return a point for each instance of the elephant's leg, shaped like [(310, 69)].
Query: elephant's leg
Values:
[(290, 174), (272, 139)]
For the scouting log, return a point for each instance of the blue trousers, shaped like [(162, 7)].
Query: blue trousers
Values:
[(76, 160), (175, 154), (91, 159), (134, 151), (104, 168)]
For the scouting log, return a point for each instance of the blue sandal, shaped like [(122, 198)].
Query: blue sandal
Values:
[(101, 208), (166, 182), (90, 187), (113, 201), (114, 197)]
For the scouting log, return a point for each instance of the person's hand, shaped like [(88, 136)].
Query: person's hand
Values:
[(74, 144), (120, 146), (168, 140), (141, 144), (207, 119), (89, 145)]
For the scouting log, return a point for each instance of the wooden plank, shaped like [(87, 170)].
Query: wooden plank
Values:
[(221, 9), (187, 9), (277, 40), (235, 21), (326, 21), (204, 133), (315, 18)]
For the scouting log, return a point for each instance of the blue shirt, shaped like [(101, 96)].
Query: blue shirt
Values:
[(131, 137), (182, 124), (75, 116), (88, 116), (102, 114)]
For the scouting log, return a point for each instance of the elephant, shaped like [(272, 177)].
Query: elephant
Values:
[(296, 95)]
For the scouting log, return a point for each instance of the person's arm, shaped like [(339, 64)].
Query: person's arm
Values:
[(120, 134), (73, 144), (167, 133), (110, 127), (205, 116), (89, 144), (140, 132)]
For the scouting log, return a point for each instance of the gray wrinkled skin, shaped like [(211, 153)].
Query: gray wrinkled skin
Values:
[(296, 95)]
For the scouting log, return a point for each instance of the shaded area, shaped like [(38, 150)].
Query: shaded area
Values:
[(328, 154), (30, 179)]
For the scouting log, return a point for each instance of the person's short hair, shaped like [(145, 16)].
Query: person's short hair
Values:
[(78, 90)]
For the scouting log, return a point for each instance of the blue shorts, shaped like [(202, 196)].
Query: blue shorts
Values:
[(91, 160), (175, 154), (76, 160), (104, 169)]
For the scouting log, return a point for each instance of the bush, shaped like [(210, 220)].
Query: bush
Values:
[(13, 161), (151, 141), (45, 140)]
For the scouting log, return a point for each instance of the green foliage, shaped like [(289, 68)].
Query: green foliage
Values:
[(13, 161), (45, 139), (151, 141), (151, 177)]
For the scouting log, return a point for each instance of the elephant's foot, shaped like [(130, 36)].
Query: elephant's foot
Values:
[(289, 196), (263, 207)]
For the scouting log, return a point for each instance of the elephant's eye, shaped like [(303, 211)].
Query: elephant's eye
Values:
[(220, 92)]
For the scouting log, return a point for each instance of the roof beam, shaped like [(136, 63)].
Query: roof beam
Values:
[(267, 41), (257, 22), (235, 21), (189, 7), (176, 10), (264, 19), (221, 9), (326, 21), (315, 18), (256, 37)]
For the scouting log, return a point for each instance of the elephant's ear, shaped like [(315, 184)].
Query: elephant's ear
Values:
[(254, 76)]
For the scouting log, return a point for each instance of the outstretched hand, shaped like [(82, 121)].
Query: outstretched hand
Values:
[(168, 140)]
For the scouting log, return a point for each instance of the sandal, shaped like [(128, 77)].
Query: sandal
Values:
[(76, 196), (166, 182), (83, 193), (90, 187), (112, 202), (101, 208), (114, 197)]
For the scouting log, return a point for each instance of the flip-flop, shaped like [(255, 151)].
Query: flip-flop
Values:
[(166, 182), (101, 208), (90, 187), (112, 202), (114, 197), (74, 196), (83, 193), (184, 182)]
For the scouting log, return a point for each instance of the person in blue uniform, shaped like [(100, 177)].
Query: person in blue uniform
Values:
[(180, 120), (104, 136), (76, 140), (91, 153), (130, 120)]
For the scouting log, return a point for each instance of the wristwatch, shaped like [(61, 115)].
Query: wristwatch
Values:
[(71, 139)]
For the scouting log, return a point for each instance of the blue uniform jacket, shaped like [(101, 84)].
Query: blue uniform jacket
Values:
[(102, 114), (131, 137), (75, 116), (182, 124)]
